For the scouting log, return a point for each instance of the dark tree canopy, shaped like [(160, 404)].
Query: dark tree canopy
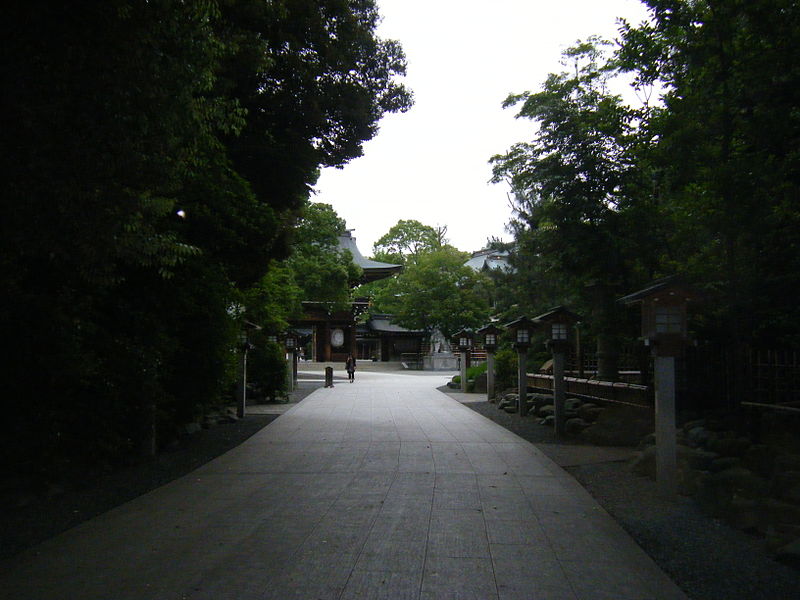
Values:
[(157, 156)]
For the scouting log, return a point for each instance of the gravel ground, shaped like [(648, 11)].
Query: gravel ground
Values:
[(706, 558)]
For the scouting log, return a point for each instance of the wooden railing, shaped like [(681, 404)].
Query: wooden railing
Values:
[(591, 389)]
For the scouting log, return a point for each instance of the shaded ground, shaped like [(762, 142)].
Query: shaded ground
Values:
[(27, 519), (708, 559)]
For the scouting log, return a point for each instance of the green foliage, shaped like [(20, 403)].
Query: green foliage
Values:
[(703, 182), (159, 155), (266, 366), (476, 370), (573, 188), (437, 292), (505, 369), (323, 272), (407, 240), (725, 153)]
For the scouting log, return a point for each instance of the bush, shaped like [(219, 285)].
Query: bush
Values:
[(505, 369), (267, 368), (476, 370)]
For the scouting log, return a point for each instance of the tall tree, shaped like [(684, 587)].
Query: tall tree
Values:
[(323, 271), (727, 151), (437, 291), (570, 188), (407, 240), (157, 156)]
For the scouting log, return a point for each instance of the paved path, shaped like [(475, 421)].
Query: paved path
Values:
[(385, 488)]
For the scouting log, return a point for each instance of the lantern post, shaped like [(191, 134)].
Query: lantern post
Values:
[(520, 331), (464, 339), (665, 331), (244, 347), (290, 343), (490, 333), (559, 326)]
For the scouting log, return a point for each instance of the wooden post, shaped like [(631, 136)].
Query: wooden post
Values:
[(522, 381), (666, 437), (489, 376), (559, 390), (464, 354), (289, 372), (241, 392)]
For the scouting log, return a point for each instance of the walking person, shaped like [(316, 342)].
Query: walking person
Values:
[(350, 367)]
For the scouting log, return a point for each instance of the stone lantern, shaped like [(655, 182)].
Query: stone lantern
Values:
[(463, 340), (245, 346), (490, 334), (559, 326), (665, 331), (520, 332), (290, 340)]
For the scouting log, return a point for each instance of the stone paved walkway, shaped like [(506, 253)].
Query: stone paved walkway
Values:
[(385, 488)]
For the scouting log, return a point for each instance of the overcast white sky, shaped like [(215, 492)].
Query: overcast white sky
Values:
[(464, 58)]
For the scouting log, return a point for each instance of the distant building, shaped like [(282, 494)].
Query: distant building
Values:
[(373, 270), (489, 260), (333, 335), (381, 339)]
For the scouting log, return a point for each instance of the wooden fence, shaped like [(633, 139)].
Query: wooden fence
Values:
[(707, 377)]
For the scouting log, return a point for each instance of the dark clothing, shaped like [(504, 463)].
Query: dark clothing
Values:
[(350, 367)]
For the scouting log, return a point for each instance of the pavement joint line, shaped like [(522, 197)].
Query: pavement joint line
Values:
[(326, 457)]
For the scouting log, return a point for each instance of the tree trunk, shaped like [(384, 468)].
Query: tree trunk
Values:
[(607, 357)]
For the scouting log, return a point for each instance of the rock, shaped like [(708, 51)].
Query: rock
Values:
[(716, 491), (619, 426), (510, 408), (644, 462), (536, 401), (701, 460), (572, 405), (744, 513), (786, 485), (760, 459), (689, 425), (647, 440), (687, 481), (54, 490), (698, 436), (782, 513), (723, 462), (741, 481), (689, 460), (787, 462), (547, 410), (789, 554), (508, 400), (575, 426), (191, 428), (729, 446), (548, 420), (589, 412)]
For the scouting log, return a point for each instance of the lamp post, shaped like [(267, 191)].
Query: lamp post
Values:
[(490, 333), (521, 330), (290, 342), (558, 324), (664, 330), (463, 339), (244, 346)]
